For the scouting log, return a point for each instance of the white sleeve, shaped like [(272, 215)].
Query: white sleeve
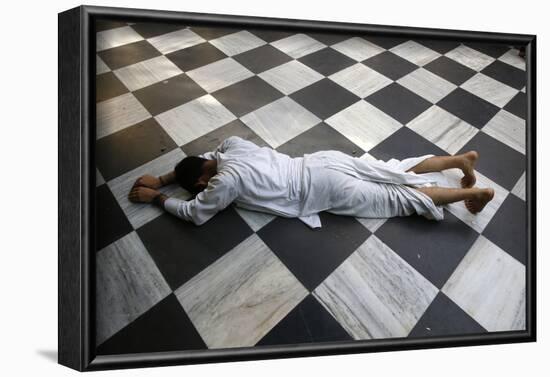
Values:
[(232, 141), (218, 194), (222, 147)]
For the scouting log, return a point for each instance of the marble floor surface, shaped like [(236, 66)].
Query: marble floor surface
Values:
[(166, 91)]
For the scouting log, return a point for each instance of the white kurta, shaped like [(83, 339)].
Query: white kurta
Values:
[(262, 179)]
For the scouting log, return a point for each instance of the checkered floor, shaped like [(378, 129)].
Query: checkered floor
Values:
[(250, 279)]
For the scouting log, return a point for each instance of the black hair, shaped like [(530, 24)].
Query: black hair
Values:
[(188, 172)]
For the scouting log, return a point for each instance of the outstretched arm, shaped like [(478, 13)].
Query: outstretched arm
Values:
[(142, 194), (218, 195), (156, 182)]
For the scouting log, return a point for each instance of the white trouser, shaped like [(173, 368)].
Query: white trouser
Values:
[(346, 185)]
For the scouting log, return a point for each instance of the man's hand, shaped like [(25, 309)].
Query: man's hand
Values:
[(140, 194), (148, 181)]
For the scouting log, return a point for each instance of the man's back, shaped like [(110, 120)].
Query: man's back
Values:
[(264, 178)]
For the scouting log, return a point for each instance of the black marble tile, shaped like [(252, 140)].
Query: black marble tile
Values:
[(128, 54), (102, 25), (385, 42), (405, 143), (444, 318), (154, 29), (390, 65), (313, 254), (508, 228), (247, 95), (518, 105), (131, 147), (399, 102), (211, 140), (163, 328), (195, 56), (213, 32), (182, 249), (110, 222), (433, 248), (262, 58), (491, 49), (497, 161), (439, 45), (318, 138), (327, 61), (270, 35), (329, 38), (469, 107), (450, 70), (108, 86), (505, 73), (169, 93), (307, 322), (324, 98)]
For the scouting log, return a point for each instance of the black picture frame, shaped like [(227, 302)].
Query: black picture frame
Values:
[(76, 118)]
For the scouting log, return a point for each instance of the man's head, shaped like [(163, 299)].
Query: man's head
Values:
[(193, 173)]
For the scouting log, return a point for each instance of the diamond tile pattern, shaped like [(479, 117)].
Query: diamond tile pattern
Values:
[(246, 278)]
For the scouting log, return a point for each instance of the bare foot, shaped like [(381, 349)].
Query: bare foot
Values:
[(470, 159), (483, 197)]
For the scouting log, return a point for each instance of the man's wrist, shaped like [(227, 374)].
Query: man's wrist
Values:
[(159, 200), (167, 179)]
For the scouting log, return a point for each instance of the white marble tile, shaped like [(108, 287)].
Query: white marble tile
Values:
[(489, 285), (233, 44), (118, 113), (147, 72), (290, 77), (369, 157), (98, 178), (511, 57), (194, 119), (139, 213), (375, 294), (256, 220), (280, 121), (298, 45), (358, 48), (415, 53), (100, 66), (489, 89), (470, 58), (519, 188), (363, 124), (175, 40), (372, 224), (478, 221), (219, 74), (443, 129), (116, 37), (128, 284), (236, 301), (427, 85), (507, 128), (360, 80)]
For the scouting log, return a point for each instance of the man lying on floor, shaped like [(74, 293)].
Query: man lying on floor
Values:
[(262, 179)]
